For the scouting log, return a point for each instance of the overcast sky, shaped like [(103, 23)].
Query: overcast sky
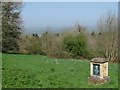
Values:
[(37, 15)]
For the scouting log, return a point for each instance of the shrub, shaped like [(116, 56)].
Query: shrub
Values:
[(76, 45), (31, 45)]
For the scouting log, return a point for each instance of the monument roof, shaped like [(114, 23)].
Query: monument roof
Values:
[(99, 60)]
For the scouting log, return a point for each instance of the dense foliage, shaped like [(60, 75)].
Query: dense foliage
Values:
[(11, 26), (76, 45)]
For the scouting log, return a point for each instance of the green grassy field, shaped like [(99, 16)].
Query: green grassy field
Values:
[(36, 71)]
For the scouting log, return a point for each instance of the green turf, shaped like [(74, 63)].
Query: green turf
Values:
[(36, 71)]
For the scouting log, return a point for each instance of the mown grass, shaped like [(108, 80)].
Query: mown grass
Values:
[(36, 71)]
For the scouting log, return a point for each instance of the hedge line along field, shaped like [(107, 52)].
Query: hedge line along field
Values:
[(36, 71)]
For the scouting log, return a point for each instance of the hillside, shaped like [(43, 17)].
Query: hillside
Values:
[(36, 71)]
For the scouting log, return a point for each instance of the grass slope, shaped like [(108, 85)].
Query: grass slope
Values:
[(36, 71)]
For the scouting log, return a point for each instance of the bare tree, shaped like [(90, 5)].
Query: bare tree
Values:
[(107, 38)]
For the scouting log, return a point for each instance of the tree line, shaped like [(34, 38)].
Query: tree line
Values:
[(77, 42)]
